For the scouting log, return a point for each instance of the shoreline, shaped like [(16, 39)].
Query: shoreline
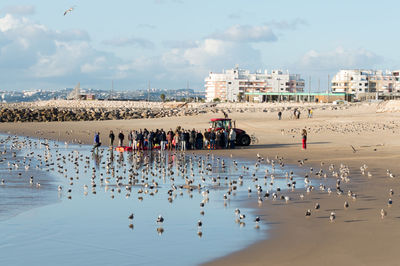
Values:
[(358, 235)]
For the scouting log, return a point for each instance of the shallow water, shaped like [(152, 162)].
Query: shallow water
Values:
[(94, 228)]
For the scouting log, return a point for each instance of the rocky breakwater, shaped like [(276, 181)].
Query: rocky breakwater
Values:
[(87, 111)]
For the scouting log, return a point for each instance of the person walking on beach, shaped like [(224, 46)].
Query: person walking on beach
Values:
[(304, 138), (97, 142), (310, 113), (112, 138), (279, 115), (121, 137)]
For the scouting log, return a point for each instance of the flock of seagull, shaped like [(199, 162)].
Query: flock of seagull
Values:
[(346, 128), (148, 173)]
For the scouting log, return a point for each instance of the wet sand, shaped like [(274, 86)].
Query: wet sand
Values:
[(358, 236)]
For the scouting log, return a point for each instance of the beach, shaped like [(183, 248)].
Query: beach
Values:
[(353, 136)]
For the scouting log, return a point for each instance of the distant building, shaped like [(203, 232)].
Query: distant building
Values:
[(229, 84), (366, 81)]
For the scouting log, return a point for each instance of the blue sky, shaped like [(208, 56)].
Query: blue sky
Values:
[(172, 42)]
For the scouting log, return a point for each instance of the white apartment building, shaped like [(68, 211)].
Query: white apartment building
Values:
[(227, 85), (366, 81)]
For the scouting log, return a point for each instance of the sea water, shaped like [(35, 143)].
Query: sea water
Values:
[(40, 225)]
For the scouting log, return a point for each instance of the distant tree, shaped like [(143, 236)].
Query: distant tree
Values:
[(162, 96), (216, 100)]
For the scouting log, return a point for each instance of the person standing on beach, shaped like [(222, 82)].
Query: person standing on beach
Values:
[(206, 138), (134, 140), (192, 139), (140, 137), (121, 137), (280, 115), (213, 136), (163, 139), (112, 137), (304, 138), (170, 137), (232, 138), (130, 135)]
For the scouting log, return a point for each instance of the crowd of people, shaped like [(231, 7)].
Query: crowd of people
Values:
[(179, 139)]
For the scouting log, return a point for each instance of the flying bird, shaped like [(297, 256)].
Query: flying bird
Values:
[(68, 10)]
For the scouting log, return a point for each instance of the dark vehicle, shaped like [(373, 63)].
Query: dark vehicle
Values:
[(242, 139)]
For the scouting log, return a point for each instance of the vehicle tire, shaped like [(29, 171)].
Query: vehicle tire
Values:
[(244, 140)]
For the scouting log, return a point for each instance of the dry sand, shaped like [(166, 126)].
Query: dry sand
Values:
[(358, 236)]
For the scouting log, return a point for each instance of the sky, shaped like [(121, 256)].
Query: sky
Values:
[(173, 43)]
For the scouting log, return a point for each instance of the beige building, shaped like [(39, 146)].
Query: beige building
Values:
[(366, 81), (230, 84)]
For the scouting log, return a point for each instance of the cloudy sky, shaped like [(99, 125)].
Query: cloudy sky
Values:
[(173, 42)]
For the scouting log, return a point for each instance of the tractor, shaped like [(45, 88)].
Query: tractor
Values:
[(242, 139)]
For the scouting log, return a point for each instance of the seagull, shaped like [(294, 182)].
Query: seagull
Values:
[(287, 199), (390, 202), (160, 219), (237, 211), (199, 223), (317, 206), (68, 10), (391, 192), (383, 213), (346, 205), (131, 216), (257, 220), (308, 212), (332, 216)]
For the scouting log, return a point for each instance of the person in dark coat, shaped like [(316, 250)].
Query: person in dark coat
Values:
[(112, 137), (121, 137)]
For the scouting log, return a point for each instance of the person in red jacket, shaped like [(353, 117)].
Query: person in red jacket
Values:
[(304, 138)]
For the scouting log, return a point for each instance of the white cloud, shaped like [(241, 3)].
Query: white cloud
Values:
[(130, 41), (288, 24), (19, 10), (339, 58), (33, 55), (247, 33)]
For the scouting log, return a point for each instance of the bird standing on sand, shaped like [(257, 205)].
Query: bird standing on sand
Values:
[(346, 205), (308, 212), (317, 206), (332, 217), (383, 213), (390, 202)]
